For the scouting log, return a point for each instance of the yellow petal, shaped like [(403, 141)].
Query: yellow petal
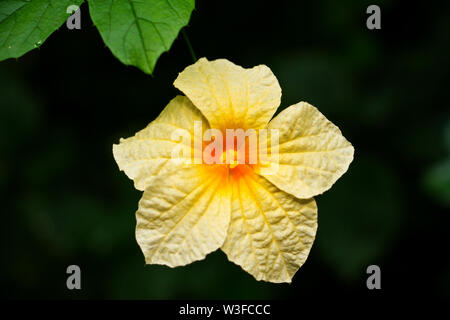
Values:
[(151, 150), (230, 96), (313, 154), (183, 215), (271, 232)]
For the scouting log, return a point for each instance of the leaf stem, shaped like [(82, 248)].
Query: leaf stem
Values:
[(191, 50)]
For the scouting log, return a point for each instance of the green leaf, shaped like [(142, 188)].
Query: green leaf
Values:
[(138, 32), (26, 24)]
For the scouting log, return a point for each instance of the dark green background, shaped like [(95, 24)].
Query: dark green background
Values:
[(64, 201)]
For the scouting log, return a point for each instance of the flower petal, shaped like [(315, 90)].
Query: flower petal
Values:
[(183, 215), (230, 96), (313, 154), (270, 232), (147, 153)]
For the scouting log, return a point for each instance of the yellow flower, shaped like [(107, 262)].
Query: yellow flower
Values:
[(264, 220)]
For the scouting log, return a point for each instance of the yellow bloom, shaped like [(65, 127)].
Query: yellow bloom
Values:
[(264, 220)]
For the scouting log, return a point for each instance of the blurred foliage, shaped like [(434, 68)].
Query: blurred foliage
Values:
[(436, 180), (65, 201), (352, 241)]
